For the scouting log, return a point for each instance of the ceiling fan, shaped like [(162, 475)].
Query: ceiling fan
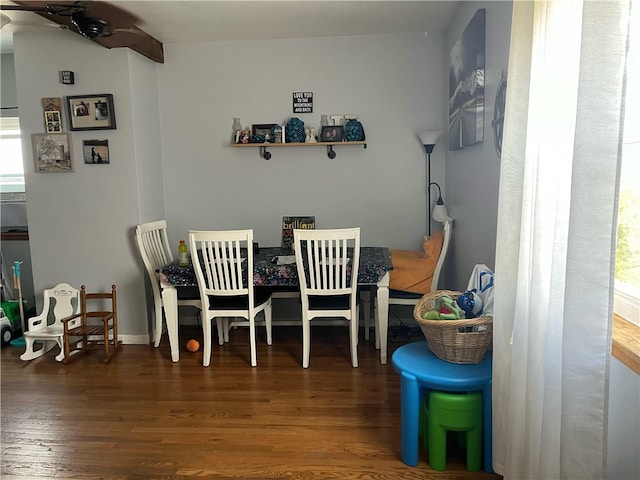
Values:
[(102, 22)]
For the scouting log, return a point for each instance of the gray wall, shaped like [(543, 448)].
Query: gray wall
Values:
[(394, 84), (472, 173)]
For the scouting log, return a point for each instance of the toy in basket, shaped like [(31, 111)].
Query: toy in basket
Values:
[(465, 340)]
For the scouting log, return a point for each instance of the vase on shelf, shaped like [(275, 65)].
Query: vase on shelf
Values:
[(237, 129)]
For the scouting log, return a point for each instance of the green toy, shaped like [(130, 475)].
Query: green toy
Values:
[(445, 308)]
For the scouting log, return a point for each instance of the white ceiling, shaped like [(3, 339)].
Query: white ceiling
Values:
[(172, 21)]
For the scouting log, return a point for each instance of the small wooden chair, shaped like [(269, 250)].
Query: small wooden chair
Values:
[(92, 329)]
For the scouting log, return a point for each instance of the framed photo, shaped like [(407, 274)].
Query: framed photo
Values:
[(52, 152), (96, 152), (332, 133), (52, 122), (91, 112), (262, 128)]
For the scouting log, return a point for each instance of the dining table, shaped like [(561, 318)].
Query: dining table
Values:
[(275, 267)]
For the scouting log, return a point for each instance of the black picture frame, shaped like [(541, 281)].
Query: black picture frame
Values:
[(262, 128), (332, 133), (91, 112)]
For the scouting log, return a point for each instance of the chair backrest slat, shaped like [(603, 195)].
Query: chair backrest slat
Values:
[(329, 260), (218, 262)]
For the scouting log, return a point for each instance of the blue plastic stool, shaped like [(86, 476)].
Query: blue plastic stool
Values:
[(457, 412), (420, 372)]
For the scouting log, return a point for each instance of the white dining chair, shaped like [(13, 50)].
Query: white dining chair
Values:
[(223, 264), (327, 262), (155, 251)]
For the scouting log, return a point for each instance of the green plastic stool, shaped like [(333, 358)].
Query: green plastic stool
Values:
[(457, 412)]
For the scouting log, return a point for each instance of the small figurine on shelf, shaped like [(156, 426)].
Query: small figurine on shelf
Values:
[(314, 138), (307, 135), (244, 136)]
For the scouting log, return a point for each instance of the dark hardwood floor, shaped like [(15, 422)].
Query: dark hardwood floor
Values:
[(143, 417)]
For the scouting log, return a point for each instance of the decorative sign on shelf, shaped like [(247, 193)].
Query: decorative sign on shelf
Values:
[(302, 102)]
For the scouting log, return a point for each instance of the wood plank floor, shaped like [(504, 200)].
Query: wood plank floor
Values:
[(143, 417)]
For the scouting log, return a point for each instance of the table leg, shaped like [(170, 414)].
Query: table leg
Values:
[(409, 418), (382, 316), (170, 301)]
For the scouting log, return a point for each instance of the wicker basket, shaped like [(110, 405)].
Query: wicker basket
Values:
[(456, 341)]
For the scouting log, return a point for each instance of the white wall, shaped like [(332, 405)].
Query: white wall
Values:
[(393, 82), (80, 223)]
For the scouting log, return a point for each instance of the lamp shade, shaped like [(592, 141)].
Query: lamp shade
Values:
[(429, 137), (440, 213)]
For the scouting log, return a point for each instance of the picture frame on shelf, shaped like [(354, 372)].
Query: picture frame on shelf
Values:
[(262, 128), (96, 151), (332, 133), (52, 152), (91, 112)]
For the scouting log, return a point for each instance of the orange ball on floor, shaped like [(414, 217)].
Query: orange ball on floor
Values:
[(193, 345)]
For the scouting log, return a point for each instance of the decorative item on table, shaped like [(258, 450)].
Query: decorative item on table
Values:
[(294, 132), (289, 224), (463, 340), (237, 130), (353, 131), (332, 133)]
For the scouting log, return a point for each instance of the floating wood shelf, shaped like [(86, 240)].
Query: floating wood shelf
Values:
[(267, 155)]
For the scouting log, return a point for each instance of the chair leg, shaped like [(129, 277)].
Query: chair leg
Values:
[(252, 339), (60, 356), (30, 353), (267, 322), (157, 334), (353, 327), (220, 324), (474, 449), (206, 337), (306, 340), (437, 439)]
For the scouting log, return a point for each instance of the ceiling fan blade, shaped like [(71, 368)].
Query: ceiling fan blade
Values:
[(98, 21), (137, 40)]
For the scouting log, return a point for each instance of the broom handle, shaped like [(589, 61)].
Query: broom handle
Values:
[(18, 283)]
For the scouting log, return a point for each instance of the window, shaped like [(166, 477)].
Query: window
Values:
[(11, 167), (627, 288)]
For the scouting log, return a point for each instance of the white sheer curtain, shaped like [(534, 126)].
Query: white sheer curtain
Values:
[(556, 238)]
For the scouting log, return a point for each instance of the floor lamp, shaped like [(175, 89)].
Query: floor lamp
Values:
[(429, 139)]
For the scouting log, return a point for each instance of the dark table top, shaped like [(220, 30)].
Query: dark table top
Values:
[(375, 262)]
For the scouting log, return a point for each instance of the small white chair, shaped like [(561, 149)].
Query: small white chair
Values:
[(223, 263), (60, 302), (327, 262), (154, 248)]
